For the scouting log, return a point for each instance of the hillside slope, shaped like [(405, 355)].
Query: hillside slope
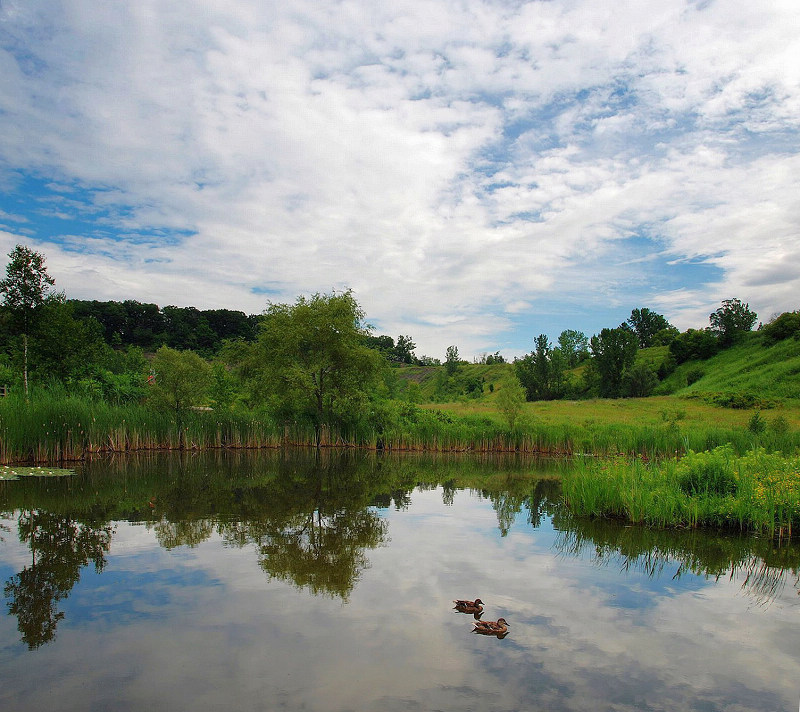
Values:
[(749, 369)]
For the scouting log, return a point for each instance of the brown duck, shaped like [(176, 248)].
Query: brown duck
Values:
[(475, 607), (498, 627)]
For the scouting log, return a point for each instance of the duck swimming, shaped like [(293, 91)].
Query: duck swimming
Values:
[(474, 607), (498, 627)]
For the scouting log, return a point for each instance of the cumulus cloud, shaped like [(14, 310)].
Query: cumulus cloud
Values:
[(455, 164)]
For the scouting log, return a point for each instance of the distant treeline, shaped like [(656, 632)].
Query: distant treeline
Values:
[(148, 326)]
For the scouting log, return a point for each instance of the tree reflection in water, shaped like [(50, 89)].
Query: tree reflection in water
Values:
[(761, 565), (60, 548), (312, 517)]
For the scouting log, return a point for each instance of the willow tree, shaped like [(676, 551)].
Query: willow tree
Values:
[(25, 291), (311, 360)]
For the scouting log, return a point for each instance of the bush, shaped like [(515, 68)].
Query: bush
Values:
[(756, 424), (639, 381), (741, 401), (784, 326), (707, 473), (779, 425), (694, 375)]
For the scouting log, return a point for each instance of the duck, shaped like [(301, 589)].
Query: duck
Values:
[(474, 607), (498, 627)]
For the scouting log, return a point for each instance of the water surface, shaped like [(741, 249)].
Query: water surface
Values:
[(290, 581)]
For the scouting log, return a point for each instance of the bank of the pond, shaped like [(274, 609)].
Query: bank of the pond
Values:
[(756, 491), (65, 429)]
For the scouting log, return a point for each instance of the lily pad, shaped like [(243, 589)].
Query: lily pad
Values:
[(10, 472)]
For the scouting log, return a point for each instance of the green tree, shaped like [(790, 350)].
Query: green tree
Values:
[(613, 352), (451, 360), (541, 372), (694, 344), (311, 360), (25, 291), (510, 399), (181, 381), (404, 349), (640, 380), (731, 320), (574, 346), (646, 324)]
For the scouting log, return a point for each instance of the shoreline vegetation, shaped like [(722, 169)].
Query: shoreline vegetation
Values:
[(56, 428), (666, 472), (633, 406)]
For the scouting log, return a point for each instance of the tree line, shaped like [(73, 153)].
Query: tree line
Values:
[(316, 359), (611, 368)]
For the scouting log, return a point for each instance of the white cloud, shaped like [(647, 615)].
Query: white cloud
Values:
[(448, 161)]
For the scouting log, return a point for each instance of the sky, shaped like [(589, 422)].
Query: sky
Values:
[(478, 172)]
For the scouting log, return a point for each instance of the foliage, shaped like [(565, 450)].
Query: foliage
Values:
[(646, 324), (694, 375), (639, 381), (451, 360), (181, 381), (310, 360), (731, 320), (756, 424), (25, 290), (707, 473), (541, 372), (510, 400), (613, 352), (26, 286), (574, 347), (132, 323), (755, 491), (782, 327), (694, 344)]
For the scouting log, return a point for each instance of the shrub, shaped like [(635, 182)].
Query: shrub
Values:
[(756, 424), (779, 425), (707, 473), (782, 327), (694, 375)]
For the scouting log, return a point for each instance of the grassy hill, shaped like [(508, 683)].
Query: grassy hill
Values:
[(749, 370)]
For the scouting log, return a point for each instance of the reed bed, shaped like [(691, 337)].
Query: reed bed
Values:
[(758, 491), (68, 429), (56, 427)]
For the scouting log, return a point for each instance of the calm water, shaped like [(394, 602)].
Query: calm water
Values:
[(278, 582)]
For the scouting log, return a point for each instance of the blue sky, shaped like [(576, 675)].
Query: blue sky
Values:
[(477, 172)]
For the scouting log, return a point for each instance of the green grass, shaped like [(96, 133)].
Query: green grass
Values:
[(757, 491), (771, 373)]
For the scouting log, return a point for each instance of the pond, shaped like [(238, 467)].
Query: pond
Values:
[(325, 582)]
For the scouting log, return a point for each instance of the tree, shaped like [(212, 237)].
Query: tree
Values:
[(181, 380), (451, 360), (510, 399), (404, 349), (311, 360), (731, 320), (613, 352), (646, 324), (25, 291), (694, 344), (541, 372), (639, 381), (574, 346)]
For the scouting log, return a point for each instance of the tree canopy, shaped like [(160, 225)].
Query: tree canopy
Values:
[(311, 361), (731, 320)]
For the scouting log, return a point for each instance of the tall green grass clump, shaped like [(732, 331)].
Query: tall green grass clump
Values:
[(757, 491), (54, 426)]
